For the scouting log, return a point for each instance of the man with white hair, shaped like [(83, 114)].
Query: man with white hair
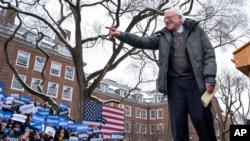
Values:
[(187, 69)]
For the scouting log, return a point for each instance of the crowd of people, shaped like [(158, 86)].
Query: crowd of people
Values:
[(16, 130)]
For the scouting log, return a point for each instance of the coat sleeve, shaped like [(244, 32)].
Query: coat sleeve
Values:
[(209, 59), (150, 42)]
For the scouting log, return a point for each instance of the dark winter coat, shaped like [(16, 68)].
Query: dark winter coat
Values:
[(199, 49)]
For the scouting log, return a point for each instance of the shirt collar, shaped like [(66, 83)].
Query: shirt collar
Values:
[(181, 29)]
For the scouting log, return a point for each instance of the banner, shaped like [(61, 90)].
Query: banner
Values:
[(115, 136), (52, 121), (19, 117), (44, 112), (27, 109), (26, 99), (38, 126), (50, 131), (18, 101), (82, 128), (64, 124), (38, 118)]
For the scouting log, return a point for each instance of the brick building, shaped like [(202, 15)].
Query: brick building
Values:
[(146, 119)]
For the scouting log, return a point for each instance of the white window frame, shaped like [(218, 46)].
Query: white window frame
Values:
[(137, 112), (139, 98), (16, 82), (122, 93), (24, 55), (152, 116), (127, 126), (67, 69), (144, 114), (54, 85), (128, 113), (160, 128), (158, 115), (137, 128), (36, 82), (39, 63), (67, 89), (144, 128), (157, 99), (53, 67), (151, 130), (104, 87)]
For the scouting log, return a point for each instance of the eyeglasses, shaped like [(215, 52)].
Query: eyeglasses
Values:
[(170, 17)]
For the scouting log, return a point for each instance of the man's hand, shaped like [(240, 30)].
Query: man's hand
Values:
[(113, 32), (210, 88)]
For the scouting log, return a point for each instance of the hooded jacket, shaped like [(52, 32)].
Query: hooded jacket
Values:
[(200, 52)]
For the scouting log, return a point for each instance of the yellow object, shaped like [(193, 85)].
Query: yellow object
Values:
[(207, 97)]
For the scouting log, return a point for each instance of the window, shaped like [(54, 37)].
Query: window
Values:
[(22, 59), (128, 110), (160, 127), (144, 128), (30, 37), (138, 113), (144, 114), (69, 73), (139, 98), (104, 88), (152, 128), (55, 68), (137, 127), (39, 63), (15, 83), (123, 93), (35, 83), (67, 93), (152, 114), (52, 89), (159, 113), (127, 126), (157, 99), (62, 50)]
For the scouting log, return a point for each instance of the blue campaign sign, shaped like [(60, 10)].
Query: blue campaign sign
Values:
[(38, 126), (73, 126), (44, 112), (38, 118), (7, 115), (26, 99), (115, 136), (63, 106), (52, 121), (1, 115), (82, 128), (64, 124)]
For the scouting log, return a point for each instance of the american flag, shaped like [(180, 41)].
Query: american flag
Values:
[(114, 117)]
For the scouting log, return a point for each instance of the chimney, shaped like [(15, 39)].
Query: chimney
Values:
[(8, 15)]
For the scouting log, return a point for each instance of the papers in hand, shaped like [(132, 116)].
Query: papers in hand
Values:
[(207, 97)]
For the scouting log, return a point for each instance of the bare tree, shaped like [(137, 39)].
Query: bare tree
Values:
[(142, 18), (232, 93)]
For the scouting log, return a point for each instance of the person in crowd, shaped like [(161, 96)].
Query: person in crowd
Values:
[(25, 136), (4, 137), (187, 69)]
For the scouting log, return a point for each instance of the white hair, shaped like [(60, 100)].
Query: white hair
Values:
[(177, 11)]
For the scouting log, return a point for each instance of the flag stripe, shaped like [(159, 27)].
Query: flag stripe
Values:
[(114, 117)]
